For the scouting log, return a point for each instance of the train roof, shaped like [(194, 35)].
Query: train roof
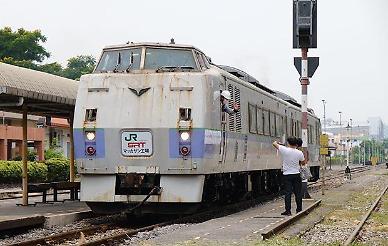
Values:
[(250, 79), (150, 44), (245, 76)]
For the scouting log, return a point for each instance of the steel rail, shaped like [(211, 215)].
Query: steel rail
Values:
[(48, 240), (366, 216)]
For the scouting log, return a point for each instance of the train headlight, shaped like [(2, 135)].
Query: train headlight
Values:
[(185, 136), (90, 136)]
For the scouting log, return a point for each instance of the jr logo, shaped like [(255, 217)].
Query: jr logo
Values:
[(132, 137)]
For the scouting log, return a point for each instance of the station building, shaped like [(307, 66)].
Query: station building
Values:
[(41, 136)]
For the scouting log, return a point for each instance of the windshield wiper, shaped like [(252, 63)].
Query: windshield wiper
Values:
[(115, 70), (173, 68), (130, 63)]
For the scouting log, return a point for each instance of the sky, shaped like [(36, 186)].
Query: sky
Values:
[(253, 35)]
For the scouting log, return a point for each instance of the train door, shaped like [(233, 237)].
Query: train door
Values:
[(223, 121)]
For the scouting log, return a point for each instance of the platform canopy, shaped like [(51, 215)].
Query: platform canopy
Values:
[(28, 91), (44, 94)]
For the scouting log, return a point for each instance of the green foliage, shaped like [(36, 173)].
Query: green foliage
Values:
[(20, 63), (37, 172), (52, 153), (371, 148), (23, 48), (53, 68), (49, 171), (22, 45), (10, 171), (78, 66), (17, 158), (58, 169), (31, 155)]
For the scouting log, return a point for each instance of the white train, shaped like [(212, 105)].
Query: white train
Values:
[(149, 128)]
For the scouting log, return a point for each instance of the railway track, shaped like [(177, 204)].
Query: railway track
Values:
[(94, 235), (338, 175), (357, 230)]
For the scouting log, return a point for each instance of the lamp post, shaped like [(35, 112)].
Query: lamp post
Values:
[(340, 113), (348, 127), (347, 170), (324, 115), (351, 139)]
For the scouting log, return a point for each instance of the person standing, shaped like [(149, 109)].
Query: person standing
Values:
[(292, 158), (305, 174)]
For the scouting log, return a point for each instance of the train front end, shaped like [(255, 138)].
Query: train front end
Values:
[(134, 128)]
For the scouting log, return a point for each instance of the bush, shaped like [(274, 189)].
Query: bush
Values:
[(49, 171), (37, 172), (10, 171), (52, 153), (58, 169)]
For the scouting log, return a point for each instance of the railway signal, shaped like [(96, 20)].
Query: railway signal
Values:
[(304, 37)]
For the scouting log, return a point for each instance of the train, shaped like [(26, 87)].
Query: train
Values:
[(150, 134)]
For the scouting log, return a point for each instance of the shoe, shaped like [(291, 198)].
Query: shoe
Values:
[(286, 213), (297, 211)]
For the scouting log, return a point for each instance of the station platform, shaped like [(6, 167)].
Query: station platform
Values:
[(42, 214)]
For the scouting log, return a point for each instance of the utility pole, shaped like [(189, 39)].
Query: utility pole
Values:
[(351, 140), (364, 153), (347, 169), (324, 115)]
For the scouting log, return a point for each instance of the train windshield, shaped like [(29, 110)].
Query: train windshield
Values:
[(119, 60), (169, 58)]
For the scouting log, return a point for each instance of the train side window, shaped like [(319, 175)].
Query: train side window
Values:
[(289, 127), (252, 118), (299, 129), (279, 125), (266, 122), (260, 121), (272, 122), (293, 131), (91, 114)]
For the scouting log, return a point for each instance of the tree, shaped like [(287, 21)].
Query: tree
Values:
[(22, 45), (24, 63), (23, 48), (53, 68), (78, 66)]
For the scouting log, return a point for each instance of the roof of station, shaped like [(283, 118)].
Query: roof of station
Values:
[(43, 93)]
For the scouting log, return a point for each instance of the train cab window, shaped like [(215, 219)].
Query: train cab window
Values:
[(119, 60), (252, 118), (260, 121), (91, 115), (169, 59), (266, 122), (206, 61)]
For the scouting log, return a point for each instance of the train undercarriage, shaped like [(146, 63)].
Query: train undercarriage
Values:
[(218, 188)]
